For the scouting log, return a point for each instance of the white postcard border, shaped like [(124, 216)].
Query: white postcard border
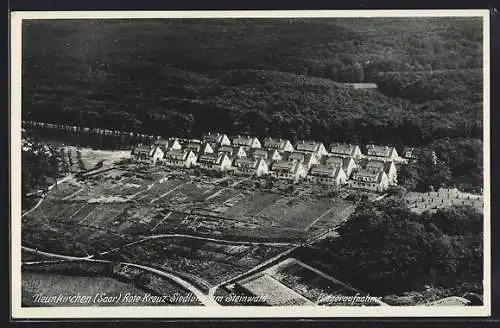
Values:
[(19, 312)]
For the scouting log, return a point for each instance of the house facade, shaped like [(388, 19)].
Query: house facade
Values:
[(311, 147), (328, 175), (382, 152), (286, 170), (157, 154), (346, 162), (180, 158), (214, 162), (199, 148), (278, 144), (386, 166), (161, 142), (346, 150), (369, 180), (247, 142), (307, 159), (260, 153), (250, 166), (142, 153), (174, 143), (232, 151), (217, 138)]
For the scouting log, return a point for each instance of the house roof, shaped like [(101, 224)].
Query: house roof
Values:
[(226, 149), (274, 152), (161, 142), (247, 162), (193, 145), (142, 149), (243, 140), (326, 170), (283, 166), (339, 161), (261, 152), (309, 157), (177, 154), (211, 158), (370, 175), (343, 149), (275, 143), (308, 146), (213, 137), (376, 165), (296, 156), (380, 151)]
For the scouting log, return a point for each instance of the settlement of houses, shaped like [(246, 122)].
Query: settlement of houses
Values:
[(338, 165)]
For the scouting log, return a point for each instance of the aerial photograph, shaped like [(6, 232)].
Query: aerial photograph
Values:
[(220, 162)]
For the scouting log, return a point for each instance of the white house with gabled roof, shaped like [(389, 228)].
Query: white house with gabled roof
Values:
[(250, 166), (199, 147), (328, 175), (174, 143), (369, 180), (346, 162), (218, 139), (311, 147), (286, 170), (387, 166), (157, 154), (247, 142), (214, 162), (180, 158), (385, 152), (278, 144), (346, 150)]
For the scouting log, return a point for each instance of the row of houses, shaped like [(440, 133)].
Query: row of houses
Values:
[(340, 164)]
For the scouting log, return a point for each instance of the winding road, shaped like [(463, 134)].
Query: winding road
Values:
[(203, 298)]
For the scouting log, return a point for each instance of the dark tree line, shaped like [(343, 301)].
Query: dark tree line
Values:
[(385, 248)]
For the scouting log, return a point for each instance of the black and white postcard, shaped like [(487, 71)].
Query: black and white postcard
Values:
[(245, 164)]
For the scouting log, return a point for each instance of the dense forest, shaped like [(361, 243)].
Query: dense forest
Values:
[(385, 249), (278, 77)]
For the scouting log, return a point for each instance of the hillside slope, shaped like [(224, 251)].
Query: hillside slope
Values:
[(279, 77)]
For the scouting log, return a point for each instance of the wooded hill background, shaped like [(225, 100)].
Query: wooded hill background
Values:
[(276, 77)]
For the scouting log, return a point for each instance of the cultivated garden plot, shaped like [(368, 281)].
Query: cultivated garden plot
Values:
[(275, 292), (309, 282), (433, 200), (65, 190)]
